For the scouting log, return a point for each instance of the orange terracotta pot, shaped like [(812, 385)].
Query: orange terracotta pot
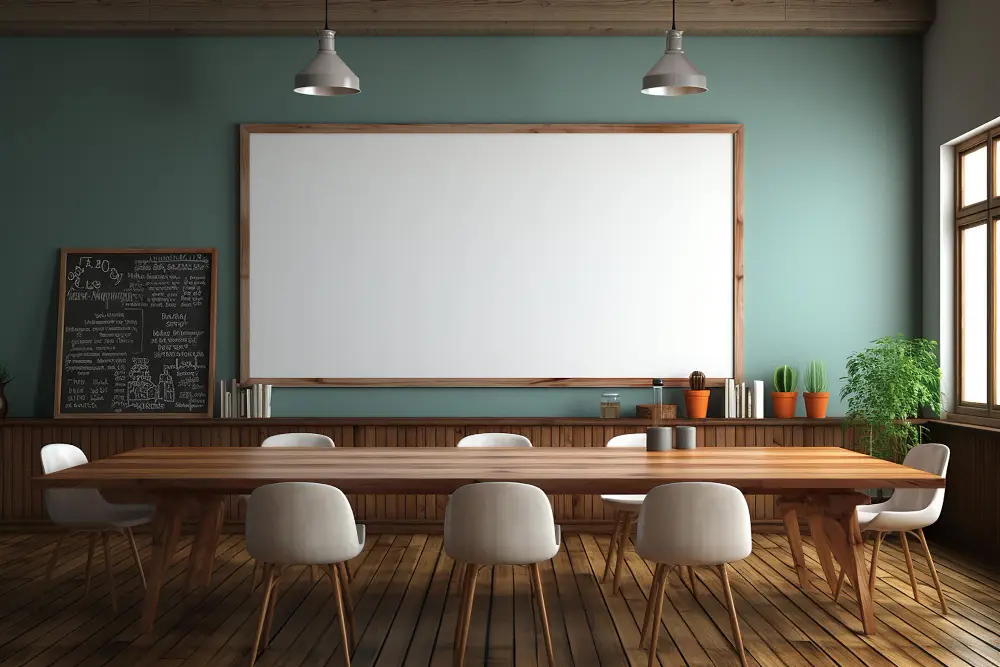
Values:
[(696, 403), (816, 403), (784, 403)]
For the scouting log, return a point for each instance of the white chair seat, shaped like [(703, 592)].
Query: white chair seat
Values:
[(625, 501), (128, 516)]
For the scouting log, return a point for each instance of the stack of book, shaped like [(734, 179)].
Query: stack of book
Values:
[(744, 400), (248, 401)]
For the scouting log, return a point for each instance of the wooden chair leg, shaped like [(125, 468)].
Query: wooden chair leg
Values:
[(654, 592), (91, 545), (106, 545), (465, 614), (626, 530), (934, 575), (348, 602), (273, 600), (135, 555), (54, 558), (734, 620), (909, 565), (345, 638), (264, 606), (536, 576), (690, 571), (873, 570), (657, 601), (611, 546)]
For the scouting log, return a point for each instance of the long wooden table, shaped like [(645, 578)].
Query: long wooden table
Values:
[(818, 482)]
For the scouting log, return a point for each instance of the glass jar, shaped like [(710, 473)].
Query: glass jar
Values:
[(611, 406)]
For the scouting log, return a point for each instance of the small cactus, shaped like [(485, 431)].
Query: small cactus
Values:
[(786, 378), (697, 381), (815, 377)]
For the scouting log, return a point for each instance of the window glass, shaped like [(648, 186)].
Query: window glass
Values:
[(974, 179), (974, 313)]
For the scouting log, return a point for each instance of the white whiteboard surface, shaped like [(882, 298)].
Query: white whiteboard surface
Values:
[(494, 255)]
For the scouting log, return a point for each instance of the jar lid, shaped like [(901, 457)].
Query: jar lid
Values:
[(610, 395), (657, 382)]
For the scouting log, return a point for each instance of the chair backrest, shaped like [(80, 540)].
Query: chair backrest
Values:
[(930, 457), (297, 440), (628, 440), (74, 506), (500, 523), (494, 440), (300, 523), (694, 523)]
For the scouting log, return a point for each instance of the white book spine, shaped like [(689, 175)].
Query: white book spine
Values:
[(227, 404), (259, 401), (758, 399), (726, 403), (267, 401)]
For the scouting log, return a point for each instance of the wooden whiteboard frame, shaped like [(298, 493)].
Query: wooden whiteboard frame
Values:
[(666, 128), (210, 409)]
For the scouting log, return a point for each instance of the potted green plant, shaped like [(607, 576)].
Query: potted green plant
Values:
[(816, 395), (5, 378), (696, 398), (785, 394), (886, 385)]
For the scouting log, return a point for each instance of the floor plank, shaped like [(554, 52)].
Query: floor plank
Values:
[(406, 593)]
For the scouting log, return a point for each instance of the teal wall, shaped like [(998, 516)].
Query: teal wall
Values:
[(132, 142)]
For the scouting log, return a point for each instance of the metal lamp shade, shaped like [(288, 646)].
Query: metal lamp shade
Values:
[(674, 74), (326, 74)]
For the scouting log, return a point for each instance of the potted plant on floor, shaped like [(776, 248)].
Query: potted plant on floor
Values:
[(5, 378), (816, 395), (785, 394), (696, 398), (886, 385)]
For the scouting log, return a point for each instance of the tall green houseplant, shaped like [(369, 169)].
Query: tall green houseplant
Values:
[(886, 385)]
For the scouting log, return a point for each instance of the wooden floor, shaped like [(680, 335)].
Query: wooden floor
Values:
[(406, 598)]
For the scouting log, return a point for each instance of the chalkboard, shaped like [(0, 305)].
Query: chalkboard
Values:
[(136, 333)]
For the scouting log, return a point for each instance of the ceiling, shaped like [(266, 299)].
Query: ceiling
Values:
[(466, 17)]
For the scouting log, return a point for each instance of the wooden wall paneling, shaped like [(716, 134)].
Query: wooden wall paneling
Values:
[(970, 519)]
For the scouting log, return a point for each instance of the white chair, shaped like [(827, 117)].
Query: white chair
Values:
[(499, 523), (86, 510), (303, 523), (494, 440), (297, 440), (907, 511), (292, 440), (692, 523), (626, 508)]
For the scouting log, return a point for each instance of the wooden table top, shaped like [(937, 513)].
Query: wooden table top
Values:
[(442, 470)]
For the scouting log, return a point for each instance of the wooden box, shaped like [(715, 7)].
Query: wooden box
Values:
[(645, 411)]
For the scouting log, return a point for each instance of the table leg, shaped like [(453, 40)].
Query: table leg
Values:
[(823, 549), (843, 535), (165, 536), (789, 514), (202, 559)]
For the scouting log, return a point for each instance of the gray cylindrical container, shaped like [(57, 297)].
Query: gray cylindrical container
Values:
[(659, 439), (686, 437)]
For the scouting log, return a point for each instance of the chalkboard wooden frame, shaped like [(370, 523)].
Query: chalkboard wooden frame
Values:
[(213, 307)]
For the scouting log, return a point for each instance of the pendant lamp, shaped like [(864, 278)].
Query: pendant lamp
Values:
[(326, 74), (674, 74)]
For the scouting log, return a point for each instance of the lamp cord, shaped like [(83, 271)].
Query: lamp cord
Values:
[(673, 15), (326, 15)]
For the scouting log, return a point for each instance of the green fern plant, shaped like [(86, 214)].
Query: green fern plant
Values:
[(886, 385), (5, 375), (815, 377), (785, 378)]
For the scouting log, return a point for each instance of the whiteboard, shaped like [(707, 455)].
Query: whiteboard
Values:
[(485, 257)]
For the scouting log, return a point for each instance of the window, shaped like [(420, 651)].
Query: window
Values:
[(977, 292)]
